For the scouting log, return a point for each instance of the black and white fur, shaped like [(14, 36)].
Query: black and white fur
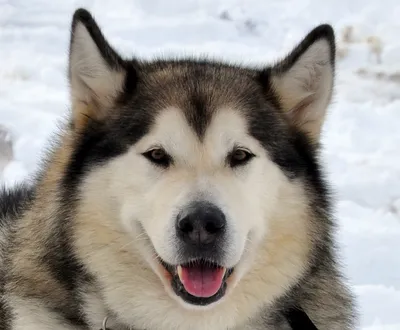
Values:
[(97, 233)]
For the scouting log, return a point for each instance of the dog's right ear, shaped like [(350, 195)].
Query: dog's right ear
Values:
[(97, 74)]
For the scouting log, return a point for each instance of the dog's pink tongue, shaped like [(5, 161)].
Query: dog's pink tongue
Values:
[(201, 281)]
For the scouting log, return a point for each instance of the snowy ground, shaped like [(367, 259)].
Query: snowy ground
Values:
[(362, 136)]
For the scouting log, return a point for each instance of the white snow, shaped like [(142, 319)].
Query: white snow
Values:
[(361, 137)]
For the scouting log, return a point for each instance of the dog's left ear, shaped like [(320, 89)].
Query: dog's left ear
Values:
[(303, 81), (97, 74)]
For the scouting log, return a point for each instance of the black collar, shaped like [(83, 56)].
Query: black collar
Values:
[(299, 320)]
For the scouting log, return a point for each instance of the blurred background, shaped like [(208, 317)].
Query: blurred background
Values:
[(361, 137)]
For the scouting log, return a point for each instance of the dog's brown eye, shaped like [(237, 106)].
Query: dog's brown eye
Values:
[(239, 157), (158, 156)]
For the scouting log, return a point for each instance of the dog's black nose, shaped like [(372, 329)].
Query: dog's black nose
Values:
[(202, 224)]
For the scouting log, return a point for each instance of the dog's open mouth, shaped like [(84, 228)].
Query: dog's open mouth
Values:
[(199, 282)]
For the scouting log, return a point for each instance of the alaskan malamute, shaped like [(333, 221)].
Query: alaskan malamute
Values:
[(181, 194)]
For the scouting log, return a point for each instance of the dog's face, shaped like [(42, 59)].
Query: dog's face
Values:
[(201, 198), (193, 155)]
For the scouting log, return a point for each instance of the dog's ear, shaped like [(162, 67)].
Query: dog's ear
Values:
[(97, 74), (303, 81)]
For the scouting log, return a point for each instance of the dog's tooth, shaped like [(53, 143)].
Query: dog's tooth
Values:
[(179, 269)]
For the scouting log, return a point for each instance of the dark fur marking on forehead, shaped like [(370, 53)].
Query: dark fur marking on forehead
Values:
[(199, 118), (198, 88)]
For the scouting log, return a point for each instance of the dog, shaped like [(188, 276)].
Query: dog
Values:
[(179, 194)]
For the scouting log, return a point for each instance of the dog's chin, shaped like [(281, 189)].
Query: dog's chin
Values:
[(198, 283)]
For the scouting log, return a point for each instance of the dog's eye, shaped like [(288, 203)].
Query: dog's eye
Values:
[(239, 157), (158, 156)]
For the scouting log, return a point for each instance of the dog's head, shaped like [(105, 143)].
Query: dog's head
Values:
[(196, 160)]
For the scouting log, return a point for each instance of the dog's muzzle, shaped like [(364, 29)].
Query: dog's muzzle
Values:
[(200, 277)]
